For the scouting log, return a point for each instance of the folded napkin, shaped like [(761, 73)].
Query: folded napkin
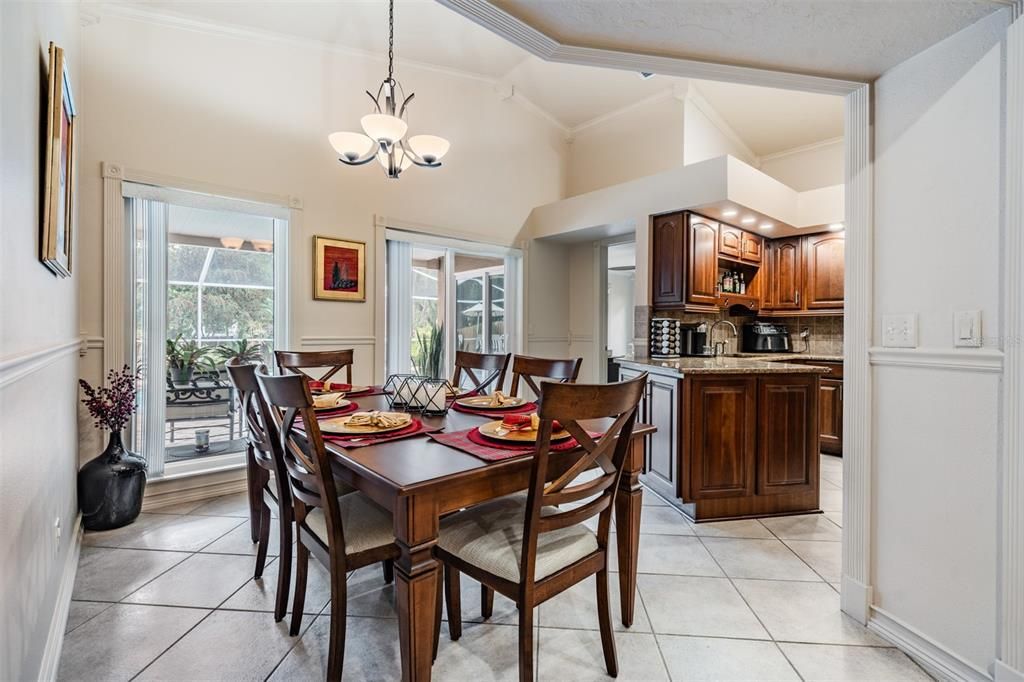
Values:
[(526, 422), (325, 400)]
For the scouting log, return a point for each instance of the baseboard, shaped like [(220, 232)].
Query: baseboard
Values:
[(167, 493), (1004, 673), (855, 598), (58, 623), (937, 660)]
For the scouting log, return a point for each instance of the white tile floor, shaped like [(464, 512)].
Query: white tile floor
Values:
[(172, 597)]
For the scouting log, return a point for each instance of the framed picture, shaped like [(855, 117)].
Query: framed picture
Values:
[(339, 269), (58, 168)]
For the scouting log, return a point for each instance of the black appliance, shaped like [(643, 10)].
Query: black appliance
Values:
[(765, 337), (671, 338)]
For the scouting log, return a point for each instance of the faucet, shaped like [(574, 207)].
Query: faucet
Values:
[(719, 348)]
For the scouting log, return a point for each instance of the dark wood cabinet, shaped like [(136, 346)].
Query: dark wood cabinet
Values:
[(786, 274), (824, 258), (830, 416), (787, 434), (719, 428), (668, 246), (730, 241), (702, 261), (751, 247), (660, 407)]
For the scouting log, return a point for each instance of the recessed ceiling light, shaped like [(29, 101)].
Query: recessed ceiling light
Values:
[(748, 220), (766, 226), (835, 227), (729, 212)]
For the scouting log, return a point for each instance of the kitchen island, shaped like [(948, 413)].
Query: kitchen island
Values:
[(737, 437)]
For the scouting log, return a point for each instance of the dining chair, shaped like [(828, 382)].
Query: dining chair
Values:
[(297, 362), (344, 532), (266, 491), (527, 548), (532, 369), (492, 368)]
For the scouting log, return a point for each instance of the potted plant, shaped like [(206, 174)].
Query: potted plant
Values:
[(430, 356), (240, 351), (110, 487), (185, 356)]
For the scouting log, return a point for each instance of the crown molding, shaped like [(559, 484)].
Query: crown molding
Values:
[(694, 95), (803, 148), (615, 113)]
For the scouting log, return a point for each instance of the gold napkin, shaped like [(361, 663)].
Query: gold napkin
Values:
[(327, 399)]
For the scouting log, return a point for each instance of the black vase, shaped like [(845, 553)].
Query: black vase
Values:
[(110, 487)]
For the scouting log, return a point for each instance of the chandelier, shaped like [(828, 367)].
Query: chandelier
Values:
[(386, 126)]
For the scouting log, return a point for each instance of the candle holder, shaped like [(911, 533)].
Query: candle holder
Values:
[(399, 389), (434, 396)]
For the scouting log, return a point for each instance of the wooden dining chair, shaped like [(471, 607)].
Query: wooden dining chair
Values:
[(530, 370), (342, 532), (526, 547), (266, 492), (492, 368), (332, 361)]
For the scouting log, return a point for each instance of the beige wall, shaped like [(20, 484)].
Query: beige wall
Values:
[(707, 136), (255, 115), (809, 167), (38, 316)]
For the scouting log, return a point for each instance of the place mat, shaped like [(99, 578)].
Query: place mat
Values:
[(473, 442), (328, 414), (343, 388), (357, 441), (525, 408)]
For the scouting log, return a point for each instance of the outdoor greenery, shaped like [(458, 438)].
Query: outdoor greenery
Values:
[(242, 350), (428, 350), (184, 356)]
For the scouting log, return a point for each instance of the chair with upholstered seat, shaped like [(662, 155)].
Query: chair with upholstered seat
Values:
[(491, 368), (528, 548), (530, 370), (331, 361), (343, 533)]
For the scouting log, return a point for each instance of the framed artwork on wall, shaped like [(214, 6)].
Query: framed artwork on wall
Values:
[(339, 269), (58, 168)]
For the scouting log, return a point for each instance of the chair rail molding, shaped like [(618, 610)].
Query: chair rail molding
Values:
[(985, 360), (1009, 665), (319, 341), (18, 366)]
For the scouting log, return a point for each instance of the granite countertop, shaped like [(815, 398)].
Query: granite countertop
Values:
[(720, 365), (782, 357)]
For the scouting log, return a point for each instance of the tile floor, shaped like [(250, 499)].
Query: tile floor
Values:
[(172, 597)]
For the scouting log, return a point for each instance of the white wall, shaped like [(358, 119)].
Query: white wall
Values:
[(807, 168), (643, 140), (254, 115), (620, 310), (937, 233), (38, 313), (707, 136)]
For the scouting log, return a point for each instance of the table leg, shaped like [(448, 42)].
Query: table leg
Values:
[(628, 503), (417, 575)]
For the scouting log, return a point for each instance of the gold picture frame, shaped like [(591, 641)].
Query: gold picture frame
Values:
[(339, 269), (58, 168)]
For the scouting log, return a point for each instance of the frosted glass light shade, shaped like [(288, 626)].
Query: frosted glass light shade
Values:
[(350, 146), (384, 128), (232, 242), (401, 159), (430, 148)]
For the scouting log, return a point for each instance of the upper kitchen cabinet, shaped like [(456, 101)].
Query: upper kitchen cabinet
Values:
[(740, 245), (668, 250), (752, 247), (702, 261), (805, 275), (825, 257), (786, 274)]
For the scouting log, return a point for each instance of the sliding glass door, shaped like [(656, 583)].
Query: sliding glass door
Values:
[(208, 285)]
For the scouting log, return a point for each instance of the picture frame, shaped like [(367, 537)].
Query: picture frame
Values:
[(58, 168), (339, 269)]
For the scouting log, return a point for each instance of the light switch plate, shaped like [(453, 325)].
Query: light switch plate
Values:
[(899, 331), (967, 328)]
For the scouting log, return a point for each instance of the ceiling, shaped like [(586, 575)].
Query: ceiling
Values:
[(851, 39), (427, 33)]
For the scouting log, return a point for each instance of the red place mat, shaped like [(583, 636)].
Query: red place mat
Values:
[(478, 445), (328, 414), (499, 412), (414, 429)]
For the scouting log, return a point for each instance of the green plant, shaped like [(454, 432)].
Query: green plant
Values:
[(185, 356), (428, 358), (242, 350)]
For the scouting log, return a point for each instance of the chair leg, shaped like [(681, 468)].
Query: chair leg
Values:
[(453, 597), (264, 540), (437, 616), (336, 646), (388, 566), (604, 617), (254, 480), (525, 643), (486, 601), (284, 568), (299, 602)]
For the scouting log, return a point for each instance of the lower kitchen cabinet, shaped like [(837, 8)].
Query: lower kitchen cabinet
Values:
[(787, 434), (719, 435), (660, 407)]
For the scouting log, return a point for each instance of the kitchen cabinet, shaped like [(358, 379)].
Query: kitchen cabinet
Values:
[(786, 273), (668, 247), (787, 434), (824, 259), (720, 432), (751, 247), (804, 275), (702, 261), (737, 244), (660, 407), (830, 411)]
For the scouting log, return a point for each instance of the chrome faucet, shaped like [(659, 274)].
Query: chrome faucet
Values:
[(719, 348)]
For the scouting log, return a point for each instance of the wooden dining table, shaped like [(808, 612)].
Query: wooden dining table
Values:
[(419, 480)]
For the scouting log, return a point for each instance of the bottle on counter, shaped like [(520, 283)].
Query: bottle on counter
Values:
[(727, 282), (743, 284)]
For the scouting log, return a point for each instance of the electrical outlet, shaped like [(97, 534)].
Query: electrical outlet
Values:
[(899, 331), (967, 329)]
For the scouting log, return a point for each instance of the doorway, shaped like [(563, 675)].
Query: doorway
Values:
[(619, 263)]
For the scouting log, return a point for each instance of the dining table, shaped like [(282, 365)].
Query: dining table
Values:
[(420, 480)]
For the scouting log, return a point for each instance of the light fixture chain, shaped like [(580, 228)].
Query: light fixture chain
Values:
[(391, 40)]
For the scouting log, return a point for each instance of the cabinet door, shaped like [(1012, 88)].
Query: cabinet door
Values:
[(830, 416), (825, 258), (730, 241), (787, 459), (703, 261), (667, 262), (721, 431), (662, 466), (766, 280), (787, 274), (751, 246)]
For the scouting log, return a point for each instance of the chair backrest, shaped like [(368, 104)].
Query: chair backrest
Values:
[(492, 369), (569, 404), (296, 362), (263, 434), (306, 461), (531, 369)]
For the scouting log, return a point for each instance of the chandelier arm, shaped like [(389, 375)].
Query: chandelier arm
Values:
[(416, 158), (401, 114), (376, 104), (365, 158)]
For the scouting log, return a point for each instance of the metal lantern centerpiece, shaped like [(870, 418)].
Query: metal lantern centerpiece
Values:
[(434, 396), (400, 389), (386, 126)]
